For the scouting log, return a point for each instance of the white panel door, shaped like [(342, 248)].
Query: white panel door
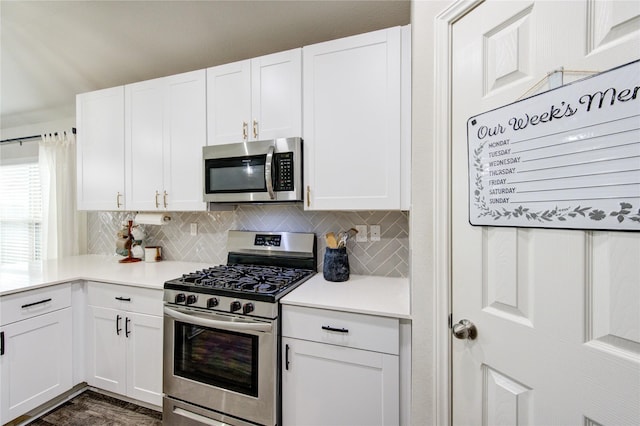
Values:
[(186, 134), (326, 384), (36, 363), (105, 354), (144, 357), (276, 95), (228, 103), (100, 149), (144, 118), (557, 311), (351, 119)]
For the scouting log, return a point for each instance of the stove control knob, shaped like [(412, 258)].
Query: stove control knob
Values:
[(212, 302), (247, 308), (235, 306), (191, 299), (180, 298)]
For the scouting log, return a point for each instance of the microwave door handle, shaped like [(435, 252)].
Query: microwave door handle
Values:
[(227, 325), (267, 173)]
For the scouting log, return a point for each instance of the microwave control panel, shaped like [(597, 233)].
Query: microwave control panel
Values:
[(284, 171)]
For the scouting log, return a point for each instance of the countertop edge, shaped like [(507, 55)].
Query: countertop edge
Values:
[(363, 294), (44, 284)]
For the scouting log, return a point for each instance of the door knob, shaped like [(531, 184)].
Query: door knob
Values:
[(465, 329)]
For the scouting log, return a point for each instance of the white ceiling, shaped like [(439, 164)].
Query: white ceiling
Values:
[(52, 50)]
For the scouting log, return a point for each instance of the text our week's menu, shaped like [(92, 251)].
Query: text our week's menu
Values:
[(566, 158)]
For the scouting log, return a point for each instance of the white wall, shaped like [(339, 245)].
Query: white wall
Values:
[(424, 289)]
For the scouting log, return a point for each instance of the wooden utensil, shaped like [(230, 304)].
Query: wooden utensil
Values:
[(331, 240)]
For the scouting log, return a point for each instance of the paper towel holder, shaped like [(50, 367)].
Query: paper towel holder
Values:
[(152, 218)]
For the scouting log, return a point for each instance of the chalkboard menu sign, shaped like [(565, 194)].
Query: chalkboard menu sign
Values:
[(566, 158)]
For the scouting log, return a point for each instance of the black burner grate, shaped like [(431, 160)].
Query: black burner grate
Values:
[(246, 278)]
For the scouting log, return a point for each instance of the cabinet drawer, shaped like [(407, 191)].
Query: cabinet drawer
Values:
[(20, 306), (134, 299), (358, 331)]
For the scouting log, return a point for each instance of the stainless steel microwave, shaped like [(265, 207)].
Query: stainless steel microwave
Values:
[(260, 172)]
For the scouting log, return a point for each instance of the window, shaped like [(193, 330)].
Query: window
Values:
[(20, 211)]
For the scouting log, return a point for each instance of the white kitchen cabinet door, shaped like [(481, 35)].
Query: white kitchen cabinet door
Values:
[(228, 103), (144, 357), (124, 341), (165, 130), (144, 120), (351, 119), (255, 99), (326, 384), (100, 149), (276, 95), (35, 365), (186, 134), (105, 351)]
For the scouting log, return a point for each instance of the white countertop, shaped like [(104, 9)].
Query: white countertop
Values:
[(382, 296), (26, 276)]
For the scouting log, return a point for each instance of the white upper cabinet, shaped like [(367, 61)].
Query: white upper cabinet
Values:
[(100, 149), (352, 122), (255, 99), (228, 103), (186, 135), (165, 130), (276, 95)]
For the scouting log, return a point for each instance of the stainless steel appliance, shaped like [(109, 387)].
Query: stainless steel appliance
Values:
[(222, 332), (260, 171)]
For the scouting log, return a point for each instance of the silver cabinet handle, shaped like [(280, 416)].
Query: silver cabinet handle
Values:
[(157, 205), (245, 130), (268, 166), (255, 129), (118, 200), (164, 198)]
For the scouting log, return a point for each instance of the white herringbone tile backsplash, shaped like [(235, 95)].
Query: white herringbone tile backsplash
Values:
[(387, 257)]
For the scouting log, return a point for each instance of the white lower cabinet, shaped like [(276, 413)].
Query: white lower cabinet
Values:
[(35, 349), (124, 341), (339, 368)]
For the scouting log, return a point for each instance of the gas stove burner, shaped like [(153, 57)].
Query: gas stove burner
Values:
[(260, 288), (246, 278), (256, 270), (192, 277)]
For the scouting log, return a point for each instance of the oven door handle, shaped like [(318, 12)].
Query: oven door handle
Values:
[(227, 325)]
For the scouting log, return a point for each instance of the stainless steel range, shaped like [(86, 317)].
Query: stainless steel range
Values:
[(222, 333)]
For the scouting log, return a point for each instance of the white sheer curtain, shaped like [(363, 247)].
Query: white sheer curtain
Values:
[(60, 218)]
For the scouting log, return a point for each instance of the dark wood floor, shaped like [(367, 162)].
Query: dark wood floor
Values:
[(94, 409)]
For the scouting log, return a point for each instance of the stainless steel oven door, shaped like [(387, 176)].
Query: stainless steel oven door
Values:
[(222, 362)]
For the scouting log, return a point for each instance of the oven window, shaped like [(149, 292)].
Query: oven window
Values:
[(225, 359)]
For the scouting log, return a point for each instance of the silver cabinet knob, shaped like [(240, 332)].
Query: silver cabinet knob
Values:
[(465, 329)]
